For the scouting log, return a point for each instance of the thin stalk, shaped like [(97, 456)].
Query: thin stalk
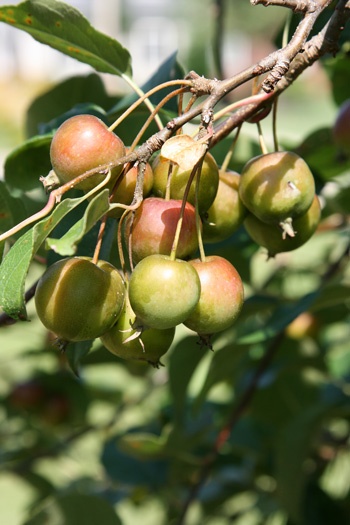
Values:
[(198, 219), (120, 245), (153, 115), (229, 154), (144, 97), (99, 239), (182, 210), (261, 139), (274, 124), (253, 99)]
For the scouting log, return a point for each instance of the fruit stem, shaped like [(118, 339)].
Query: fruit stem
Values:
[(99, 239), (274, 124), (153, 114), (229, 154), (120, 245), (196, 167), (198, 219), (254, 99), (144, 97), (168, 182), (261, 139)]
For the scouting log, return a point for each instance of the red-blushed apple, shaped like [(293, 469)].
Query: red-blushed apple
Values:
[(221, 299), (82, 143), (154, 226)]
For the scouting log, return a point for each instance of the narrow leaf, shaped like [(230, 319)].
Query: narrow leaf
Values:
[(15, 265), (67, 244), (64, 28)]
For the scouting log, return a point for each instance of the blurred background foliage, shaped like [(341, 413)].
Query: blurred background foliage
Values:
[(122, 442)]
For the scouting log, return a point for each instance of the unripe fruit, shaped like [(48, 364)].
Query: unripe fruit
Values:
[(277, 187), (125, 187), (221, 298), (227, 212), (163, 292), (341, 128), (82, 143), (79, 300), (154, 226), (208, 185), (270, 237), (303, 326), (125, 341)]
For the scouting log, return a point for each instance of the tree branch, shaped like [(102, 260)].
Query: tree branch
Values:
[(298, 6)]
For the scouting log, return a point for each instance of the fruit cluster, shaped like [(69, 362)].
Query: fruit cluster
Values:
[(187, 202)]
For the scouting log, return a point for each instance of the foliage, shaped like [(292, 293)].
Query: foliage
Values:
[(255, 431)]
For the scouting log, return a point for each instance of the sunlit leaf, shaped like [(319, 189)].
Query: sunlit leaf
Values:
[(64, 28), (84, 93), (67, 244), (73, 508), (14, 268)]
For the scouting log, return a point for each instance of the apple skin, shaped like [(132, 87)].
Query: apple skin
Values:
[(269, 236), (163, 292), (125, 187), (78, 300), (82, 143), (341, 127), (208, 186), (154, 226), (227, 212), (149, 346), (221, 299), (277, 186)]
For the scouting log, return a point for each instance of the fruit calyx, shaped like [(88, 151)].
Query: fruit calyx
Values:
[(287, 228)]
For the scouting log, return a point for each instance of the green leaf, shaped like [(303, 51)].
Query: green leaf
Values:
[(76, 352), (332, 295), (293, 447), (338, 69), (143, 445), (128, 470), (168, 70), (223, 367), (67, 244), (15, 265), (82, 93), (27, 163), (64, 28), (74, 508), (183, 362), (11, 211), (278, 321), (322, 155)]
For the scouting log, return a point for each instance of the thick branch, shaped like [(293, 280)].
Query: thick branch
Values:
[(324, 42), (298, 6)]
